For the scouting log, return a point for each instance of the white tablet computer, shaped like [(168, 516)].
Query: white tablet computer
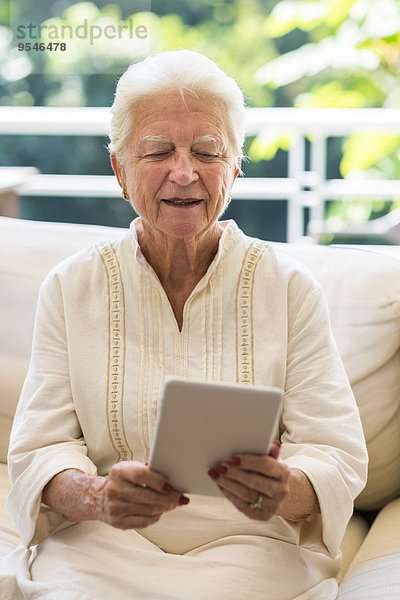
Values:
[(201, 423)]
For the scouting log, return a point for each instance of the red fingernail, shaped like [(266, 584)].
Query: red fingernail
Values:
[(146, 464), (234, 460), (167, 487), (221, 469), (183, 500), (213, 474)]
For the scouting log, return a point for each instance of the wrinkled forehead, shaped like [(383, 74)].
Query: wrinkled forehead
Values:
[(198, 116)]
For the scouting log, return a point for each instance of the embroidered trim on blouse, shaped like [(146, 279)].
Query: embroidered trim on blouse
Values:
[(244, 314), (116, 352)]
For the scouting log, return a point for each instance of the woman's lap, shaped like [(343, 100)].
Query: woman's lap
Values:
[(112, 564)]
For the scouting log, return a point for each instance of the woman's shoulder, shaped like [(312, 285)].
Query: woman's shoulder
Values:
[(88, 262)]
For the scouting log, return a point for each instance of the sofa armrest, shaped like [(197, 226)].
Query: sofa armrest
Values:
[(374, 573)]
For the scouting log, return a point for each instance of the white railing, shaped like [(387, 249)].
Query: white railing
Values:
[(301, 188)]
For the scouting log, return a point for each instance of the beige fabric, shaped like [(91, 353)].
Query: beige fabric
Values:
[(353, 281), (15, 367), (227, 569), (356, 532), (28, 250), (236, 326), (377, 579), (9, 540), (374, 573), (9, 537), (383, 538), (363, 294)]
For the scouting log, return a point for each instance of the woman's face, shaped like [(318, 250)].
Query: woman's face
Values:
[(178, 168)]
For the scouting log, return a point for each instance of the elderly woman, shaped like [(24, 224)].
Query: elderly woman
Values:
[(182, 293)]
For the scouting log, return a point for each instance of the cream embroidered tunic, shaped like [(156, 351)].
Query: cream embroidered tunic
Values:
[(105, 338)]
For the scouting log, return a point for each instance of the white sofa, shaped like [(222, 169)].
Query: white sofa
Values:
[(363, 292)]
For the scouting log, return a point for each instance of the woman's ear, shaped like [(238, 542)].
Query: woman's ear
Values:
[(238, 168), (118, 170)]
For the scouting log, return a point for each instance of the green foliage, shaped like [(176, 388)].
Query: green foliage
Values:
[(364, 151), (266, 145), (351, 59), (340, 213), (291, 14), (226, 30)]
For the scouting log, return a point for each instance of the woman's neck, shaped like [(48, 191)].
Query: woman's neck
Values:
[(178, 260), (178, 263)]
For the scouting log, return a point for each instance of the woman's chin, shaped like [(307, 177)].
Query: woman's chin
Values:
[(183, 230), (183, 222)]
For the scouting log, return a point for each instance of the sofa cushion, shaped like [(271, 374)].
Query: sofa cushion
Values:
[(362, 287)]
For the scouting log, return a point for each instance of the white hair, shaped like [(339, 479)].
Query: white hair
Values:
[(181, 70)]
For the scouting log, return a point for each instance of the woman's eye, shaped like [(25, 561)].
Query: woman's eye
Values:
[(158, 154), (205, 155)]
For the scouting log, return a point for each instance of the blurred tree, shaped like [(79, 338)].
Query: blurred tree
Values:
[(351, 59)]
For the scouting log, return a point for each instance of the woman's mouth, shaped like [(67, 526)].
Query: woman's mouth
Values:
[(181, 201)]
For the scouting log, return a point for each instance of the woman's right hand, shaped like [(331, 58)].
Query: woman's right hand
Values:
[(133, 496)]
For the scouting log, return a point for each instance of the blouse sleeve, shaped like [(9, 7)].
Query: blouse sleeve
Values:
[(46, 437), (322, 432)]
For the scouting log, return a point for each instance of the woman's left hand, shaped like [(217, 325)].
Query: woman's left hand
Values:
[(256, 485)]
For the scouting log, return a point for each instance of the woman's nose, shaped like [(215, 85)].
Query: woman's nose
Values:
[(182, 169)]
